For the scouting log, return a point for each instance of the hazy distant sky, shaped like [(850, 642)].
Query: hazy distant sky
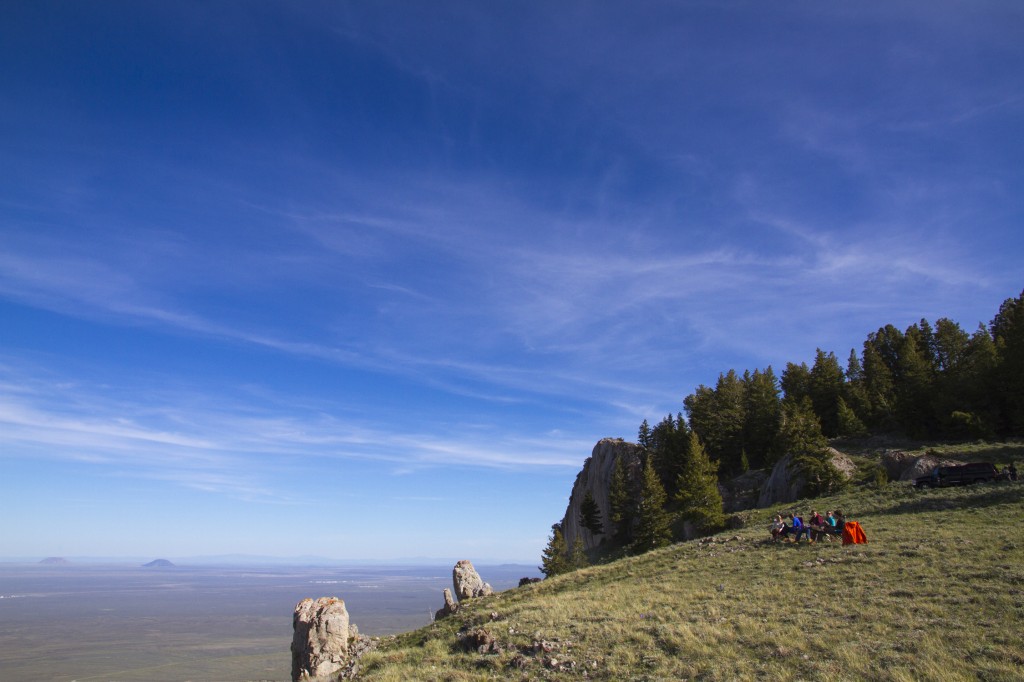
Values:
[(370, 279)]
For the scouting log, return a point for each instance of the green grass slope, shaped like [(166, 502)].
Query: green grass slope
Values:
[(937, 594)]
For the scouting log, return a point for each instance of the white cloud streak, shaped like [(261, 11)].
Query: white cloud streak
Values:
[(213, 444)]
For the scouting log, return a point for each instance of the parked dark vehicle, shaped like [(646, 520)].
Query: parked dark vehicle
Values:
[(962, 474)]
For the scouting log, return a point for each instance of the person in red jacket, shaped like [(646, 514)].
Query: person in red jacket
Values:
[(817, 526)]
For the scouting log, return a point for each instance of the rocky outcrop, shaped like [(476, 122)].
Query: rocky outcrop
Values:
[(595, 478), (449, 607), (467, 582), (895, 462), (468, 585), (787, 483), (923, 465), (743, 491), (843, 464), (755, 488), (320, 639)]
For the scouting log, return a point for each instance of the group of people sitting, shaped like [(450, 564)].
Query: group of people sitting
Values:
[(816, 528)]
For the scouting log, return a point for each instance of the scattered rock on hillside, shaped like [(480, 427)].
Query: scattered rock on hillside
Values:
[(468, 583), (787, 483), (479, 640), (595, 478), (319, 639)]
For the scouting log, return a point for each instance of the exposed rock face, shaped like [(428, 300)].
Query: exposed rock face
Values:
[(743, 491), (595, 478), (787, 483), (895, 462), (468, 583), (320, 638), (923, 465), (449, 607)]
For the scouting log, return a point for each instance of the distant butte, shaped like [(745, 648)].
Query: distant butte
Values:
[(158, 563), (55, 561)]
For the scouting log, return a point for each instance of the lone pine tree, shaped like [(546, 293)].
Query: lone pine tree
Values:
[(591, 515), (620, 500), (698, 496), (554, 559), (652, 528)]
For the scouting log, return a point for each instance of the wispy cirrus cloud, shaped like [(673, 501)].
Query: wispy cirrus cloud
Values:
[(214, 443)]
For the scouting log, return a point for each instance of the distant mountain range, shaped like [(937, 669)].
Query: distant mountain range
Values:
[(261, 560)]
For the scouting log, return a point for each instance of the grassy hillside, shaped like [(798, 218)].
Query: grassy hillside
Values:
[(938, 593)]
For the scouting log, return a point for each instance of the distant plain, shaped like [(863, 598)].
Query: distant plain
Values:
[(88, 622)]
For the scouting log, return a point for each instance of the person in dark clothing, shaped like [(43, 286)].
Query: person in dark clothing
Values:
[(840, 522)]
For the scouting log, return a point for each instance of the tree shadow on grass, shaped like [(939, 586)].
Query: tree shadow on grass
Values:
[(975, 496)]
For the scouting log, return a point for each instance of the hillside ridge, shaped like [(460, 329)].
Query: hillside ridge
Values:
[(935, 593)]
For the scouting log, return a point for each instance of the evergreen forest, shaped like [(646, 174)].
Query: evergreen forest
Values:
[(928, 382)]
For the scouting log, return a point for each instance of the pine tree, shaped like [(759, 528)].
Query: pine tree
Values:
[(914, 388), (668, 449), (729, 409), (825, 386), (591, 515), (652, 529), (555, 557), (761, 416), (1008, 336), (801, 437), (620, 501), (578, 557), (854, 392), (927, 346), (643, 437), (718, 417), (980, 378), (849, 424), (796, 382), (699, 499), (878, 385), (700, 409)]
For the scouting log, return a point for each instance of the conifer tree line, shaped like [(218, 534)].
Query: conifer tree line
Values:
[(925, 382)]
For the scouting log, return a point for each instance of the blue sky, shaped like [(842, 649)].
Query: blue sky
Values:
[(369, 280)]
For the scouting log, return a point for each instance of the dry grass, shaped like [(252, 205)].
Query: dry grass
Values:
[(938, 593)]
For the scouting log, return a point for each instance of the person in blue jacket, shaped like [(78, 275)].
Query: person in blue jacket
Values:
[(798, 528)]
